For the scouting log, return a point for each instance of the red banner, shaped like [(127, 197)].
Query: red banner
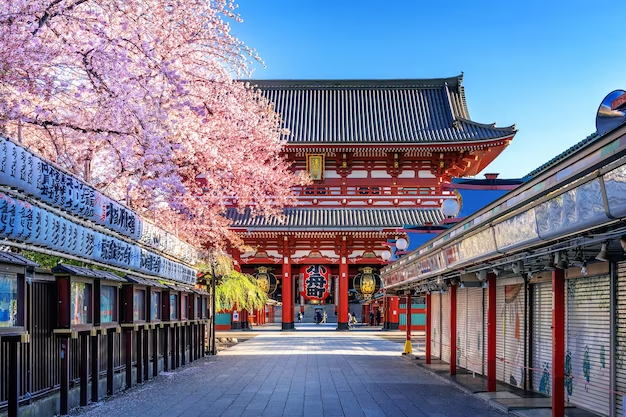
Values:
[(316, 282)]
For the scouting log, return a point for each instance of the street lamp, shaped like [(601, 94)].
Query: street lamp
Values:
[(213, 312), (401, 244), (386, 255)]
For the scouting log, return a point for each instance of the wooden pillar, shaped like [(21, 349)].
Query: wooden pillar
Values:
[(95, 367), (155, 352), (84, 368), (558, 342), (287, 292), (342, 310), (110, 362), (183, 346), (193, 341), (129, 358), (394, 313), (166, 356), (176, 347), (146, 353), (139, 348), (13, 380), (453, 347), (491, 333), (65, 373), (202, 339), (429, 328)]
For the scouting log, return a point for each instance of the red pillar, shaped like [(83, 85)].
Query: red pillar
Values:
[(491, 333), (342, 311), (408, 316), (453, 351), (287, 292), (394, 313), (428, 327), (558, 342)]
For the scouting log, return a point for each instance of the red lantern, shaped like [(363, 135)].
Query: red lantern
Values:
[(316, 282)]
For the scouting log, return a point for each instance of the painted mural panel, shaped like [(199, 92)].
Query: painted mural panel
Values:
[(518, 230), (615, 185), (575, 209)]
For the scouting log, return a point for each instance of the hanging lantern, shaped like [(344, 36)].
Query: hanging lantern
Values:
[(316, 283), (266, 280), (366, 282)]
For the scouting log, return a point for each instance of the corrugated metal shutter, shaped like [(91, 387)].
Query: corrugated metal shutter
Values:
[(514, 301), (445, 326), (587, 343), (461, 327), (435, 338), (500, 332), (510, 339), (542, 337), (620, 348), (475, 333)]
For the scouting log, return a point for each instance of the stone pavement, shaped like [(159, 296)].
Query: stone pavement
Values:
[(317, 373)]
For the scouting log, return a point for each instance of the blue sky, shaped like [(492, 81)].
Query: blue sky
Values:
[(544, 65)]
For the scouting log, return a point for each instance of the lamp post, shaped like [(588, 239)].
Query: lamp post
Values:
[(213, 312)]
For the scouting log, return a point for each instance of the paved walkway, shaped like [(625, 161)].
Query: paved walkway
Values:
[(321, 374)]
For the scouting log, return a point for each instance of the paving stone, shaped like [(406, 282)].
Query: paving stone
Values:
[(301, 374)]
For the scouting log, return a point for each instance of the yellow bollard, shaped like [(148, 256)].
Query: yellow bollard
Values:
[(408, 348)]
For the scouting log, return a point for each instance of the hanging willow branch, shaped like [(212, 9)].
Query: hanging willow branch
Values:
[(239, 289)]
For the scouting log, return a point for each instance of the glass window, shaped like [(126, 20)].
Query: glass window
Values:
[(8, 300), (108, 302), (80, 303), (156, 305), (185, 307), (173, 306), (198, 307), (203, 311), (139, 305)]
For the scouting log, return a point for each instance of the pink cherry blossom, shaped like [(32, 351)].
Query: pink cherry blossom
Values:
[(145, 90)]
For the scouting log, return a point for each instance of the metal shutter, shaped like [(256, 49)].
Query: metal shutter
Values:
[(500, 332), (435, 337), (514, 301), (587, 343), (475, 331), (461, 327), (445, 326), (542, 337), (620, 348), (510, 344)]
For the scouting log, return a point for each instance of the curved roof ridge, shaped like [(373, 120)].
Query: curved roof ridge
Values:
[(513, 127), (376, 83)]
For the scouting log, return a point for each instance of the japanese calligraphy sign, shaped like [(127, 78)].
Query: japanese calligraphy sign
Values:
[(316, 282), (25, 172)]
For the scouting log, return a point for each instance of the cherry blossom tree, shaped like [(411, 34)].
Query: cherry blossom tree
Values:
[(144, 93)]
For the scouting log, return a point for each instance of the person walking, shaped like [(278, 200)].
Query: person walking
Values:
[(324, 317), (371, 318), (378, 317), (300, 317), (349, 320), (318, 317)]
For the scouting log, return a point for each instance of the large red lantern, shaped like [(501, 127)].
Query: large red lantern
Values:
[(316, 282)]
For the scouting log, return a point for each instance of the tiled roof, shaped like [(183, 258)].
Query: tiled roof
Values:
[(16, 259), (86, 272), (376, 111), (338, 219), (589, 139), (143, 281)]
